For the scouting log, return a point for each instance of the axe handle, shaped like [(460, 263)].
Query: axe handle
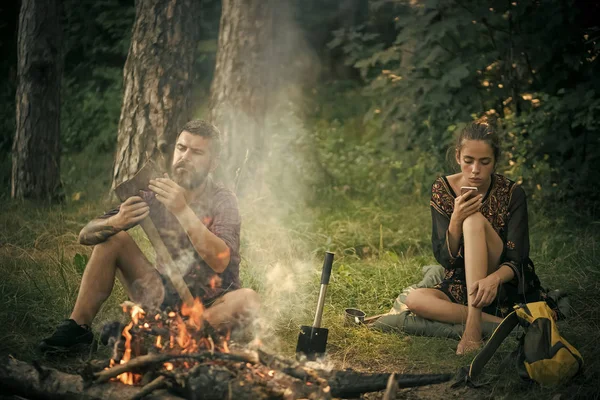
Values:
[(163, 253)]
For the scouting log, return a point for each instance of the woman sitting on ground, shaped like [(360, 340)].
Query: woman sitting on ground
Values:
[(481, 238)]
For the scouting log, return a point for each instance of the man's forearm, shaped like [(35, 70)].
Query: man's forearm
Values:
[(97, 231), (213, 250)]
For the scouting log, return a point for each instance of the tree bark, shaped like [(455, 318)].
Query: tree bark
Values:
[(157, 83), (36, 147), (240, 88)]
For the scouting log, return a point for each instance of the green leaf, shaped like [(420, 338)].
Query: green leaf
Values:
[(80, 261)]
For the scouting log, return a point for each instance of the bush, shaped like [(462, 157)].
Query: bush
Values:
[(90, 111), (551, 146)]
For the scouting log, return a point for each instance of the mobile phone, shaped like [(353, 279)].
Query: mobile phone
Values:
[(468, 189)]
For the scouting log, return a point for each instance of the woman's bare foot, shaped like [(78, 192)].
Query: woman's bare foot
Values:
[(469, 342), (468, 346)]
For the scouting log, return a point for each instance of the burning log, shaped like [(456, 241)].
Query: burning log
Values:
[(158, 383), (34, 381), (350, 384), (150, 360), (255, 382)]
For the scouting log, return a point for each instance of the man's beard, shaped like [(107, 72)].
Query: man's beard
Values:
[(188, 176)]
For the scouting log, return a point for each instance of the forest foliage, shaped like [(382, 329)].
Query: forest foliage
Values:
[(398, 80), (529, 66)]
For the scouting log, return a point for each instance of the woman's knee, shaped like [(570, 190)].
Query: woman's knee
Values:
[(474, 223), (414, 300)]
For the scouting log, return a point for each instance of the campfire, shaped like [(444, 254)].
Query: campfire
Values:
[(165, 333), (176, 354)]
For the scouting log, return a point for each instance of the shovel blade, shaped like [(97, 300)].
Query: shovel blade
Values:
[(312, 342)]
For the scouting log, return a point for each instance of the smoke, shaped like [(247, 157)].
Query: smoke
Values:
[(148, 292), (278, 240)]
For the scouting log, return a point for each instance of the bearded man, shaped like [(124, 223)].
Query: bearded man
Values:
[(199, 223)]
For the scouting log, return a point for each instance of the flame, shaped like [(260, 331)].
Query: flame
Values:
[(194, 312), (211, 345), (127, 377), (185, 334), (183, 337), (204, 343), (136, 313)]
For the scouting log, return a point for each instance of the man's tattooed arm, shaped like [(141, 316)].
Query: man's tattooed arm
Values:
[(129, 214), (97, 231)]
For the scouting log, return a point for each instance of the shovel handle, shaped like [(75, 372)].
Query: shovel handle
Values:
[(327, 264)]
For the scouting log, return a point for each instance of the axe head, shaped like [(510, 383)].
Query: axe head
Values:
[(139, 182)]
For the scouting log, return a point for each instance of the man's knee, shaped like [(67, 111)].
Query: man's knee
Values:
[(249, 299), (474, 222), (115, 242)]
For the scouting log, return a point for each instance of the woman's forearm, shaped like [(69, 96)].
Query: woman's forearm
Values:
[(504, 273), (454, 234)]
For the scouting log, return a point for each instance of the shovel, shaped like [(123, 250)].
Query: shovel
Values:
[(312, 340)]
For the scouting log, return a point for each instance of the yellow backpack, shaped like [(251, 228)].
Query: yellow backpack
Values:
[(544, 356)]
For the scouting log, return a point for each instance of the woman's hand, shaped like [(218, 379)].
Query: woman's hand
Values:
[(465, 205), (484, 291)]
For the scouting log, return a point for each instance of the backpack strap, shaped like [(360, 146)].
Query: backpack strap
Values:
[(466, 375), (486, 353)]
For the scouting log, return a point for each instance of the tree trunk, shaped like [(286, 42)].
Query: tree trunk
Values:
[(36, 148), (157, 83), (240, 88)]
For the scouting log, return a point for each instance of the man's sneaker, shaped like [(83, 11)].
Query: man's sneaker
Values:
[(68, 336)]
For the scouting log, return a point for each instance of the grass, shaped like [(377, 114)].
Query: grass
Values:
[(380, 249)]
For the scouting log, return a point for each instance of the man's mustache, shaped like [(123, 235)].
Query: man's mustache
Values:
[(184, 164)]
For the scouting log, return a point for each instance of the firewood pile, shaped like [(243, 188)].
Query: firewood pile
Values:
[(178, 356)]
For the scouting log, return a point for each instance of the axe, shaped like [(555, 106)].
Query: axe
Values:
[(132, 187)]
